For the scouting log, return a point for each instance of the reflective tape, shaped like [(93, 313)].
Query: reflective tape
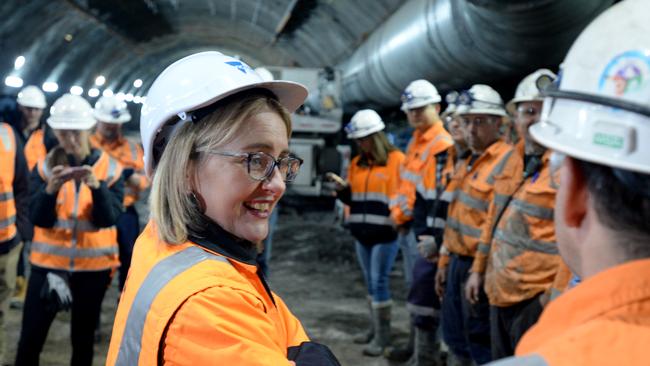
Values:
[(6, 196), (7, 222), (530, 209), (464, 229), (436, 222), (472, 202), (420, 310), (5, 136), (370, 219), (526, 243), (74, 252), (370, 196)]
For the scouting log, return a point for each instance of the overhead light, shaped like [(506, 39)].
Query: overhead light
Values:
[(13, 81), (107, 93), (50, 86), (20, 61), (137, 99), (120, 96), (137, 83), (76, 90), (100, 80), (128, 97), (93, 92), (68, 37)]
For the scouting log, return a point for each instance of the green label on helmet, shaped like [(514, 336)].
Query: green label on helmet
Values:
[(612, 141)]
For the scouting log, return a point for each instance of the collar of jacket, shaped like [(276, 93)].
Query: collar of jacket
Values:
[(214, 238), (109, 144), (431, 133)]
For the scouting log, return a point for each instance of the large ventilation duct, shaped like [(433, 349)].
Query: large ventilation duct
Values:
[(454, 43)]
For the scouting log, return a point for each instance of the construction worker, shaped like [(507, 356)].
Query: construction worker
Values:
[(75, 202), (14, 220), (219, 156), (465, 326), (421, 103), (111, 114), (597, 121), (373, 179), (517, 256)]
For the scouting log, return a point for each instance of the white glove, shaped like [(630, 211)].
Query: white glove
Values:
[(56, 292)]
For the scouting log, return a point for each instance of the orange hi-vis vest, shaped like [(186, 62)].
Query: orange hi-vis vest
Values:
[(518, 253), (605, 320), (421, 148), (372, 189), (186, 305), (35, 148), (8, 164), (74, 243), (471, 199), (130, 155)]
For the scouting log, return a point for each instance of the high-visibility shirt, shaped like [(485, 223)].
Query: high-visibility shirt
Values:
[(473, 187), (421, 148), (188, 305), (605, 320), (35, 149), (7, 204), (74, 243), (130, 156), (517, 251), (369, 193)]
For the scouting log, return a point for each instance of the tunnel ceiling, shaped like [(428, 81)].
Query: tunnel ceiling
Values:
[(71, 42)]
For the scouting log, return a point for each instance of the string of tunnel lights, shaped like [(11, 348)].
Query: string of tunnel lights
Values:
[(14, 81)]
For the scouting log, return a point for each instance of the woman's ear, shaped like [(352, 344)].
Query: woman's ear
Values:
[(575, 200)]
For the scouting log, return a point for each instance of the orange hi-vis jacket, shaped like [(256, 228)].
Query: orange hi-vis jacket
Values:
[(35, 150), (371, 189), (186, 305), (130, 155), (74, 243), (518, 253), (421, 148), (7, 163), (471, 199), (605, 320)]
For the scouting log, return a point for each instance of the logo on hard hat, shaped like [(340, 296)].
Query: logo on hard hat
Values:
[(625, 74), (407, 96), (240, 66), (115, 113)]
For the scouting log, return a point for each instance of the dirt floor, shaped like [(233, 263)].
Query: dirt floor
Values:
[(313, 268)]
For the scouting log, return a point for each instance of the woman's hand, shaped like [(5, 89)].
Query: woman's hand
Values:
[(339, 183), (90, 179)]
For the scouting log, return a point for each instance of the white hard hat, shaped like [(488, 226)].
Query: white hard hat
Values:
[(31, 96), (600, 111), (529, 89), (481, 99), (452, 104), (197, 81), (364, 123), (419, 93), (71, 112), (111, 110), (264, 73)]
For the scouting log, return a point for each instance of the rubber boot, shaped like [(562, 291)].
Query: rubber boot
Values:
[(381, 321), (427, 348), (403, 352), (18, 298), (366, 337)]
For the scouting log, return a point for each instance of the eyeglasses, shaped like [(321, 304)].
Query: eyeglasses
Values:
[(260, 165), (527, 112), (555, 163), (478, 120)]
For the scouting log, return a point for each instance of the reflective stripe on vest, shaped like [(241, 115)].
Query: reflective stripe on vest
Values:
[(463, 229), (6, 139), (74, 252), (370, 196), (526, 243), (159, 276), (370, 219), (473, 202), (7, 170)]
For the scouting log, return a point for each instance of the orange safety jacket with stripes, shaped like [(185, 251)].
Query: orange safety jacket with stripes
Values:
[(74, 243), (517, 251), (420, 149), (7, 204), (195, 304), (35, 149), (603, 321), (370, 190), (472, 190), (130, 155)]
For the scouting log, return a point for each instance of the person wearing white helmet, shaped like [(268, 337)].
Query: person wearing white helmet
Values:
[(111, 114), (373, 178), (31, 102), (519, 231), (76, 199), (216, 142), (421, 104), (597, 121), (465, 325)]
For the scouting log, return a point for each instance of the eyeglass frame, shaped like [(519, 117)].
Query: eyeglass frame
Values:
[(489, 119), (269, 173)]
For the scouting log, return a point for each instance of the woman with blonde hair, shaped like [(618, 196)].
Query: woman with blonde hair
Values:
[(215, 137), (373, 178)]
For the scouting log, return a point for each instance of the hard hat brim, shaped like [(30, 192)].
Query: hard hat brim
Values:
[(69, 124)]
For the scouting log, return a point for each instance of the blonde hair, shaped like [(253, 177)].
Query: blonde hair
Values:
[(173, 204), (381, 147)]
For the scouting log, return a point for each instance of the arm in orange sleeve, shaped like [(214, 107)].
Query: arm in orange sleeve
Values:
[(231, 326), (561, 280), (483, 250), (395, 182)]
